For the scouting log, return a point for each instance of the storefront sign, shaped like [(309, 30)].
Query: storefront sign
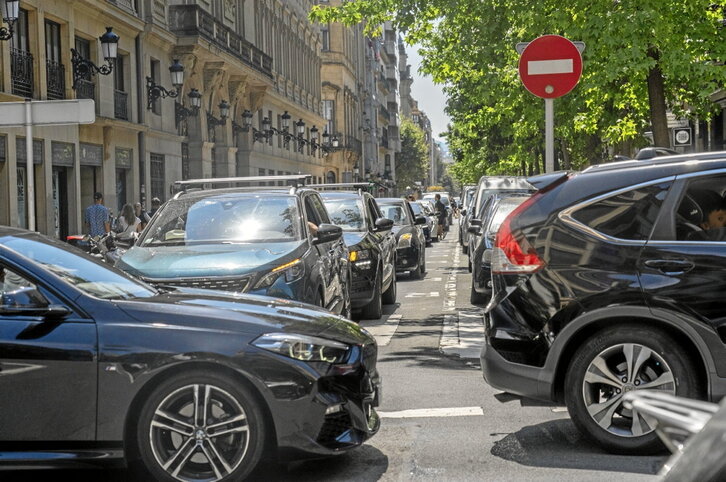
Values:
[(124, 158), (63, 153), (20, 150), (91, 154)]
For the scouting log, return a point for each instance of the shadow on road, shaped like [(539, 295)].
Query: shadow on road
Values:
[(558, 444)]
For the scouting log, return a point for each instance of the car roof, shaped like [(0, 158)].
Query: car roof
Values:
[(11, 231), (504, 182), (668, 163), (241, 192), (342, 194)]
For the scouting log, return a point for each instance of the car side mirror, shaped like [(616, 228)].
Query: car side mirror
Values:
[(420, 220), (474, 230), (384, 224), (28, 301), (463, 212), (327, 233), (475, 222)]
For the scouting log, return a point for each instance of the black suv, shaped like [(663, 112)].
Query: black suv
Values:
[(410, 240), (608, 281), (371, 246), (260, 240)]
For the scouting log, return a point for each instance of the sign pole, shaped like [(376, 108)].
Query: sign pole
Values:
[(29, 175), (549, 135)]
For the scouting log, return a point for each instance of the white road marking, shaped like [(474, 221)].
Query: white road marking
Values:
[(432, 294), (434, 412), (383, 329), (555, 66), (434, 279), (463, 334)]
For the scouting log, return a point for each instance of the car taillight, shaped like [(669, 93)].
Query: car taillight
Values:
[(513, 254)]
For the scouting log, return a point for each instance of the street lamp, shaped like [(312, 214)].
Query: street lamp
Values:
[(314, 139), (155, 91), (10, 16), (82, 68), (300, 125), (195, 99), (212, 121)]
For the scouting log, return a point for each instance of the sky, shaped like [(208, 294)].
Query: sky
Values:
[(430, 97)]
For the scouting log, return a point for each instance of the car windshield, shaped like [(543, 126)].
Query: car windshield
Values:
[(225, 219), (396, 213), (346, 213), (93, 278), (503, 208), (417, 209)]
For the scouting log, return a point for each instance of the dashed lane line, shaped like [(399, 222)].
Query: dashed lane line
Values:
[(434, 412)]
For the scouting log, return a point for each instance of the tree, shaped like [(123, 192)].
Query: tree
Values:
[(412, 161), (642, 59)]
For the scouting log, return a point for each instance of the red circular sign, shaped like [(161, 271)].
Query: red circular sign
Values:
[(550, 66)]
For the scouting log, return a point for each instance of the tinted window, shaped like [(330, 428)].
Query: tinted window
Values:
[(226, 218), (701, 213), (346, 213), (93, 278), (629, 215), (395, 212)]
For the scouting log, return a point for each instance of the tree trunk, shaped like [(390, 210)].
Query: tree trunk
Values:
[(656, 97), (565, 156)]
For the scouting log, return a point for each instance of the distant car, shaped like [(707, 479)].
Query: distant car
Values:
[(497, 208), (196, 385), (465, 215), (487, 187), (268, 241), (420, 209), (371, 248), (410, 240)]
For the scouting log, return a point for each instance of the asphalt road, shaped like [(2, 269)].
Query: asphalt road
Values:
[(440, 420)]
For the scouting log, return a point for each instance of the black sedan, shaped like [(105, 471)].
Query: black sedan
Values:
[(188, 384), (371, 247), (410, 240)]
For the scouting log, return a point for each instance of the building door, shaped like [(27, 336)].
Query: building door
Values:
[(60, 203), (121, 189)]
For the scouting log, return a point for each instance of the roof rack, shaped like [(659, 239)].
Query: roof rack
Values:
[(359, 186), (183, 186)]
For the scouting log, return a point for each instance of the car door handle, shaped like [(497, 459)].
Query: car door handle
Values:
[(670, 266)]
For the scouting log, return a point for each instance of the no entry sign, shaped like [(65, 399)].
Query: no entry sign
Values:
[(550, 66)]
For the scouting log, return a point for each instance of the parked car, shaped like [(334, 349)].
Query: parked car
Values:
[(421, 208), (467, 199), (371, 247), (410, 240), (445, 198), (609, 281), (497, 208), (191, 384), (268, 241), (487, 187)]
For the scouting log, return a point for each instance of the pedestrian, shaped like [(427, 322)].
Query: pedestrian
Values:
[(441, 215), (155, 204), (98, 217), (141, 214), (411, 197), (127, 223)]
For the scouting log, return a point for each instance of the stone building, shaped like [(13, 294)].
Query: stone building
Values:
[(255, 57)]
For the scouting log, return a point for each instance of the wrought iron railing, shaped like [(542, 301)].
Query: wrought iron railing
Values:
[(85, 89), (21, 72), (121, 105), (56, 82), (191, 20)]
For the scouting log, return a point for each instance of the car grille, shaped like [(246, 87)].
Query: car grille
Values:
[(333, 427), (222, 284), (360, 285)]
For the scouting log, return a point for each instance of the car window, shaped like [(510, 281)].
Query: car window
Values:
[(701, 212), (226, 218), (395, 212), (10, 281), (502, 209), (347, 213), (628, 215), (93, 278), (417, 209), (317, 204)]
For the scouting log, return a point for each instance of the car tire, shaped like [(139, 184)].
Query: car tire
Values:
[(171, 426), (594, 384), (464, 249), (419, 272), (389, 297), (468, 261), (476, 298), (374, 309)]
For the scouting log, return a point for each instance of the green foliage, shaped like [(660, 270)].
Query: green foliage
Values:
[(412, 161), (498, 127)]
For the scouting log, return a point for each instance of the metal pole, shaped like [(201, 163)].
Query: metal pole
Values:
[(30, 190), (549, 135)]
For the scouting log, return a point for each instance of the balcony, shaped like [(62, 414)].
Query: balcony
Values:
[(191, 20), (131, 6), (56, 73), (85, 89), (390, 47), (383, 112), (121, 105), (21, 72), (355, 145)]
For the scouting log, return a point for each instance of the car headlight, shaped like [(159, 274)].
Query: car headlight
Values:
[(361, 258), (292, 271), (303, 347), (405, 240)]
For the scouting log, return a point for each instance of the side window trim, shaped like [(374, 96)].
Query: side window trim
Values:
[(566, 214)]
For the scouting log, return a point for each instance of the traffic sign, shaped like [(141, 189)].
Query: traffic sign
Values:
[(682, 136), (550, 66)]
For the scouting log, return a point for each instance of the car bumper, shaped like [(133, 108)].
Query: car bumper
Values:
[(482, 279), (407, 259), (362, 286)]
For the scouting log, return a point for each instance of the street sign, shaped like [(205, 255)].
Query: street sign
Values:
[(682, 136), (48, 112), (550, 66)]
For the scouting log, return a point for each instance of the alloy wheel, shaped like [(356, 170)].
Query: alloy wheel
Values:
[(615, 371), (199, 432)]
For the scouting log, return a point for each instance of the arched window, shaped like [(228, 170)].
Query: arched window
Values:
[(330, 177)]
